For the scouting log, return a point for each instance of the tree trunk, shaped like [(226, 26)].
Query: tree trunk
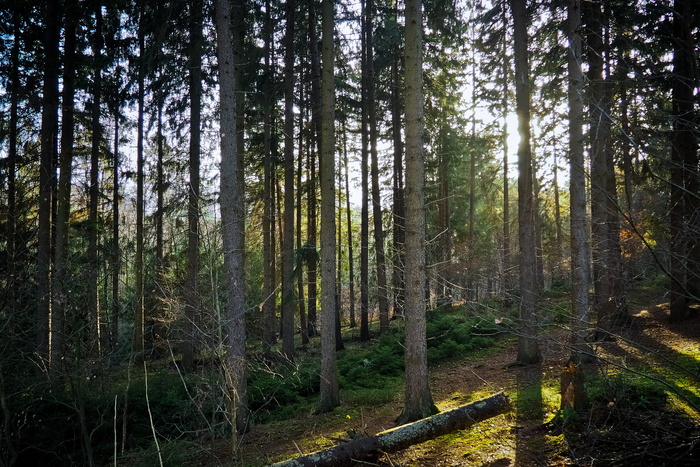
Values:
[(580, 248), (507, 276), (418, 401), (368, 449), (92, 314), (192, 320), (138, 262), (47, 175), (684, 166), (288, 251), (377, 218), (269, 337), (364, 167), (61, 276), (399, 208), (528, 348), (232, 216), (609, 292), (312, 264), (329, 394), (348, 214), (116, 252)]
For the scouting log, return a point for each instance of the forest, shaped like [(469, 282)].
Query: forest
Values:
[(238, 232)]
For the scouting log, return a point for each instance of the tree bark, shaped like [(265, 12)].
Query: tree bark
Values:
[(233, 222), (192, 323), (377, 218), (528, 348), (364, 209), (404, 436), (288, 243), (329, 394), (580, 248), (418, 401)]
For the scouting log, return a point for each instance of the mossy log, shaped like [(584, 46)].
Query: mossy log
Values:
[(401, 437)]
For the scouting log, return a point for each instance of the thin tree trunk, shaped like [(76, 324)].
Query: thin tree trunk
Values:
[(192, 318), (580, 248), (364, 166), (399, 208), (116, 251), (348, 214), (312, 264), (507, 275), (61, 285), (269, 337), (47, 174), (138, 343), (92, 315), (288, 247), (383, 299)]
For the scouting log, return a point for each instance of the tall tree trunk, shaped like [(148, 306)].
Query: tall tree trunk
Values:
[(507, 275), (399, 208), (192, 318), (116, 250), (61, 276), (364, 166), (158, 329), (232, 205), (92, 314), (528, 348), (11, 232), (377, 218), (329, 394), (47, 174), (580, 248), (348, 214), (138, 343), (288, 247), (418, 401), (269, 337), (684, 166), (303, 320), (312, 264), (609, 292)]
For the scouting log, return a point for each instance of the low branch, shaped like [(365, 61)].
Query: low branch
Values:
[(403, 436)]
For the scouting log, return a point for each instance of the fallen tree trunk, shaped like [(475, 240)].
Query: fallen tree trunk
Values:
[(401, 437)]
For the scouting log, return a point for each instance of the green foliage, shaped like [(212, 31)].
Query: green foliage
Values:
[(451, 335), (278, 391), (625, 390)]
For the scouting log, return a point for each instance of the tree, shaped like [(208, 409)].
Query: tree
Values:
[(528, 348), (47, 175), (684, 164), (418, 401), (138, 342), (580, 249), (233, 221), (609, 290), (193, 214), (288, 240), (330, 396), (61, 275), (374, 162)]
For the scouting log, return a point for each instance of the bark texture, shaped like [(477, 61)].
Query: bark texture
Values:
[(396, 439)]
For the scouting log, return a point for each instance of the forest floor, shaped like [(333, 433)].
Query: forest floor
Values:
[(631, 422)]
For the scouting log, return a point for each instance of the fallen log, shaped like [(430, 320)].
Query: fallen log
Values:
[(401, 437)]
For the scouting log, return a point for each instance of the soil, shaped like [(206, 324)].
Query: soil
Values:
[(614, 431)]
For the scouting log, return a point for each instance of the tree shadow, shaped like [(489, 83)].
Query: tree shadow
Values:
[(529, 413)]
